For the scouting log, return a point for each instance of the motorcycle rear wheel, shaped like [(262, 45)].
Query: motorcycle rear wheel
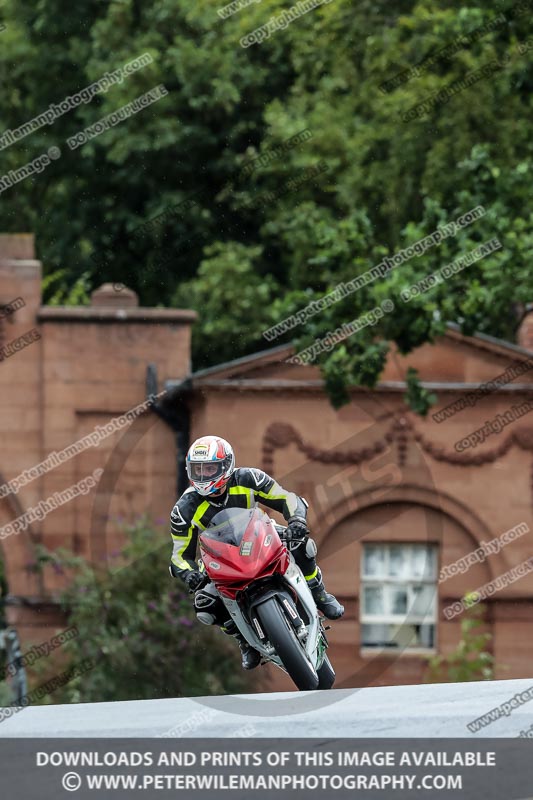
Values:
[(326, 674), (287, 645)]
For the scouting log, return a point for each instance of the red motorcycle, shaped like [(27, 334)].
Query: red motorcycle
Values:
[(266, 594)]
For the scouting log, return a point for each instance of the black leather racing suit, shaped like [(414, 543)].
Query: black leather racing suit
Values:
[(246, 487)]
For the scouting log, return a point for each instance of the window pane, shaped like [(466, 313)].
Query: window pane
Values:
[(398, 598), (423, 563), (373, 600), (399, 563), (399, 591), (409, 636), (375, 636), (426, 635), (398, 636), (373, 560), (423, 600)]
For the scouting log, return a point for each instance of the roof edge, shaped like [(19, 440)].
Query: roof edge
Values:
[(486, 342), (107, 314), (237, 365)]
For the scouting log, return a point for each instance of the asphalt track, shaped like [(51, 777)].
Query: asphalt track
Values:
[(431, 710)]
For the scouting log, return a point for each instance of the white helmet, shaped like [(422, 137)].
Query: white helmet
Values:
[(210, 464)]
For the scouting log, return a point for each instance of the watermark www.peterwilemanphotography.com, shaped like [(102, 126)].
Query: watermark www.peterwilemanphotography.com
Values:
[(281, 22), (527, 734), (45, 507), (19, 343), (328, 342), (47, 688), (9, 308), (85, 95), (116, 117), (93, 439), (503, 710), (470, 399), (155, 225), (149, 228), (273, 153), (265, 198), (192, 723), (259, 200), (459, 43), (232, 8), (449, 270), (485, 549), (488, 589), (445, 94), (38, 651), (494, 426), (198, 720), (381, 270), (33, 167), (525, 47)]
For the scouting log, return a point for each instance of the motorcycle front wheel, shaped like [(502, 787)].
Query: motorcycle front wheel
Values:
[(283, 638), (326, 674)]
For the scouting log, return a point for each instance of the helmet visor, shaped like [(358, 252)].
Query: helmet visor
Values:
[(206, 470)]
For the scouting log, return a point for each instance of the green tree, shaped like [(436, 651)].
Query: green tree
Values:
[(388, 182), (232, 300), (138, 626), (471, 660)]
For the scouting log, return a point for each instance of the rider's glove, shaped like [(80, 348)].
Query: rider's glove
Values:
[(196, 579), (297, 529)]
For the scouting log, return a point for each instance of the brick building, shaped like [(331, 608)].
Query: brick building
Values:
[(89, 366), (394, 498)]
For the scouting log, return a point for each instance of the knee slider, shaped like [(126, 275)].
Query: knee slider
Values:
[(206, 617), (310, 548)]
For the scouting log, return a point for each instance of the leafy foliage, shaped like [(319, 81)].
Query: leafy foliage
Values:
[(139, 626), (64, 295), (470, 661), (418, 398), (231, 299), (248, 252)]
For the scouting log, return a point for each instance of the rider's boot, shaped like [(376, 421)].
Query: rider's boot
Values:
[(325, 602), (250, 658)]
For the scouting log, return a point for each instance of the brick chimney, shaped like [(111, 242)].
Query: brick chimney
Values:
[(525, 330)]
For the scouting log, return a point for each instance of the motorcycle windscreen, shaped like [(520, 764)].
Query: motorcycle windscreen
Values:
[(239, 543)]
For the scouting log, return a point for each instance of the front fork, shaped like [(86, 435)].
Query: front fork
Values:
[(311, 634)]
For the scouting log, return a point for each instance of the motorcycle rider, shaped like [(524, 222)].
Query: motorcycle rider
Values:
[(216, 484)]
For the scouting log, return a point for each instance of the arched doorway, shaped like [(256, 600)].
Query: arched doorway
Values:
[(412, 525)]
